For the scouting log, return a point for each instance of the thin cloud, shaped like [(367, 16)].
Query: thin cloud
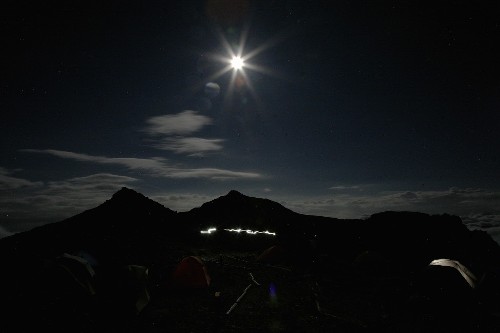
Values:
[(469, 204), (61, 199), (342, 188), (155, 166), (183, 123), (191, 146), (96, 182), (212, 173), (154, 163), (4, 232), (8, 182), (485, 219), (181, 202)]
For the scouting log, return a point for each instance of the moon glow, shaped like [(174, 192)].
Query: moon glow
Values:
[(237, 63)]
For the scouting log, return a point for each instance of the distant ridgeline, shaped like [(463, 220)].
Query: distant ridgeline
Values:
[(130, 227), (130, 236)]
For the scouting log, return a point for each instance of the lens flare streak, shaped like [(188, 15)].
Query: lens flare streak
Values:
[(236, 60)]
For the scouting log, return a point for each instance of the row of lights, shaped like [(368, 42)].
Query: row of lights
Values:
[(239, 230)]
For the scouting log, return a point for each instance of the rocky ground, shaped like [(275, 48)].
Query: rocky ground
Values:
[(282, 297), (295, 298), (290, 299)]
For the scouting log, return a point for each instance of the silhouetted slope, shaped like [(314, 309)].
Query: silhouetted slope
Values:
[(130, 228), (235, 210), (132, 224), (127, 219)]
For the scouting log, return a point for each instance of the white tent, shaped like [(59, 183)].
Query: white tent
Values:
[(464, 271)]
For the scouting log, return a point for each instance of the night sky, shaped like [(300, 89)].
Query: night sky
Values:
[(341, 109)]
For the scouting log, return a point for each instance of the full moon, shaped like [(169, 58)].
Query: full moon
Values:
[(237, 63)]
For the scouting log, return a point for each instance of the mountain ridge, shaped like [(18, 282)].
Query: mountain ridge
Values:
[(237, 208), (131, 219), (132, 229)]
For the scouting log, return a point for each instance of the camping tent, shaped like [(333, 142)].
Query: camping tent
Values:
[(80, 271), (445, 296), (447, 285), (123, 290), (447, 280), (191, 272), (276, 254), (464, 271), (137, 278)]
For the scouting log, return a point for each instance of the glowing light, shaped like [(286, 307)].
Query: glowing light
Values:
[(272, 293), (251, 232), (237, 63), (208, 231), (240, 62)]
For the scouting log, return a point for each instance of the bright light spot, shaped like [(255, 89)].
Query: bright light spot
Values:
[(237, 63), (251, 232), (208, 231)]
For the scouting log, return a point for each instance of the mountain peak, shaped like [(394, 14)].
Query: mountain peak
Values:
[(126, 199), (237, 209), (234, 193), (126, 193)]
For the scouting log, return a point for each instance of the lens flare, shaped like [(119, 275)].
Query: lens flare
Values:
[(237, 63), (240, 62)]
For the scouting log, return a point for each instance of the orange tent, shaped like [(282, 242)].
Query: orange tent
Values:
[(276, 254), (191, 272)]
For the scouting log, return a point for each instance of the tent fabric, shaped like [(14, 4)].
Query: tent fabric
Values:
[(80, 270), (464, 271), (444, 295), (138, 277), (273, 255), (191, 272), (123, 289)]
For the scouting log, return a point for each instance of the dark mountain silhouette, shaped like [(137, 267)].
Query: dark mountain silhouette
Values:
[(237, 210), (130, 228), (125, 220), (131, 225)]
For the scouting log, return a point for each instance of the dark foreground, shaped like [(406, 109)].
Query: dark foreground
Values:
[(328, 275), (285, 296)]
